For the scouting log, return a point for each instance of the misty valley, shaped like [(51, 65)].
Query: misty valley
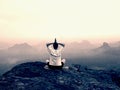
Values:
[(104, 56)]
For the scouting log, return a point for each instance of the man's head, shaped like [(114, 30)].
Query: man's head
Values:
[(55, 44)]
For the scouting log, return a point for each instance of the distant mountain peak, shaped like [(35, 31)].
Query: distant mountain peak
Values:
[(19, 46), (103, 48), (85, 42), (22, 44), (105, 45)]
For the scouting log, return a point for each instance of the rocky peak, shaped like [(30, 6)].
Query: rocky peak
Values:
[(33, 76)]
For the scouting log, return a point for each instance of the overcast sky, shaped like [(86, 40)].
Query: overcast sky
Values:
[(64, 19)]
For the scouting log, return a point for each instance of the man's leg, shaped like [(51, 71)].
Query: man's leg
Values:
[(63, 60), (47, 61)]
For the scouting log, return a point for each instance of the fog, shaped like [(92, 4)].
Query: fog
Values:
[(105, 55)]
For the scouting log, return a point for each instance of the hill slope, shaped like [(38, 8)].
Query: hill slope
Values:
[(33, 76)]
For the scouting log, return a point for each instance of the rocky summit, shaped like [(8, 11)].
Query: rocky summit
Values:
[(33, 76)]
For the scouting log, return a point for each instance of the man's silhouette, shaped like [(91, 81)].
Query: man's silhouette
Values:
[(55, 50)]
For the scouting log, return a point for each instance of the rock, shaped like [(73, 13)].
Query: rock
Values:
[(33, 76)]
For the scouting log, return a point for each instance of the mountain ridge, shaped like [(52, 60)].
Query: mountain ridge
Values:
[(33, 76)]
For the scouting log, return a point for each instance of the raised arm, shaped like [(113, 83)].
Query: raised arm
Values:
[(48, 44), (61, 44)]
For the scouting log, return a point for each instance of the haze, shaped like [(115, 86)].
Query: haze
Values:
[(36, 20)]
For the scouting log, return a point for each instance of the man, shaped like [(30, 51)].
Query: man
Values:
[(55, 50)]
